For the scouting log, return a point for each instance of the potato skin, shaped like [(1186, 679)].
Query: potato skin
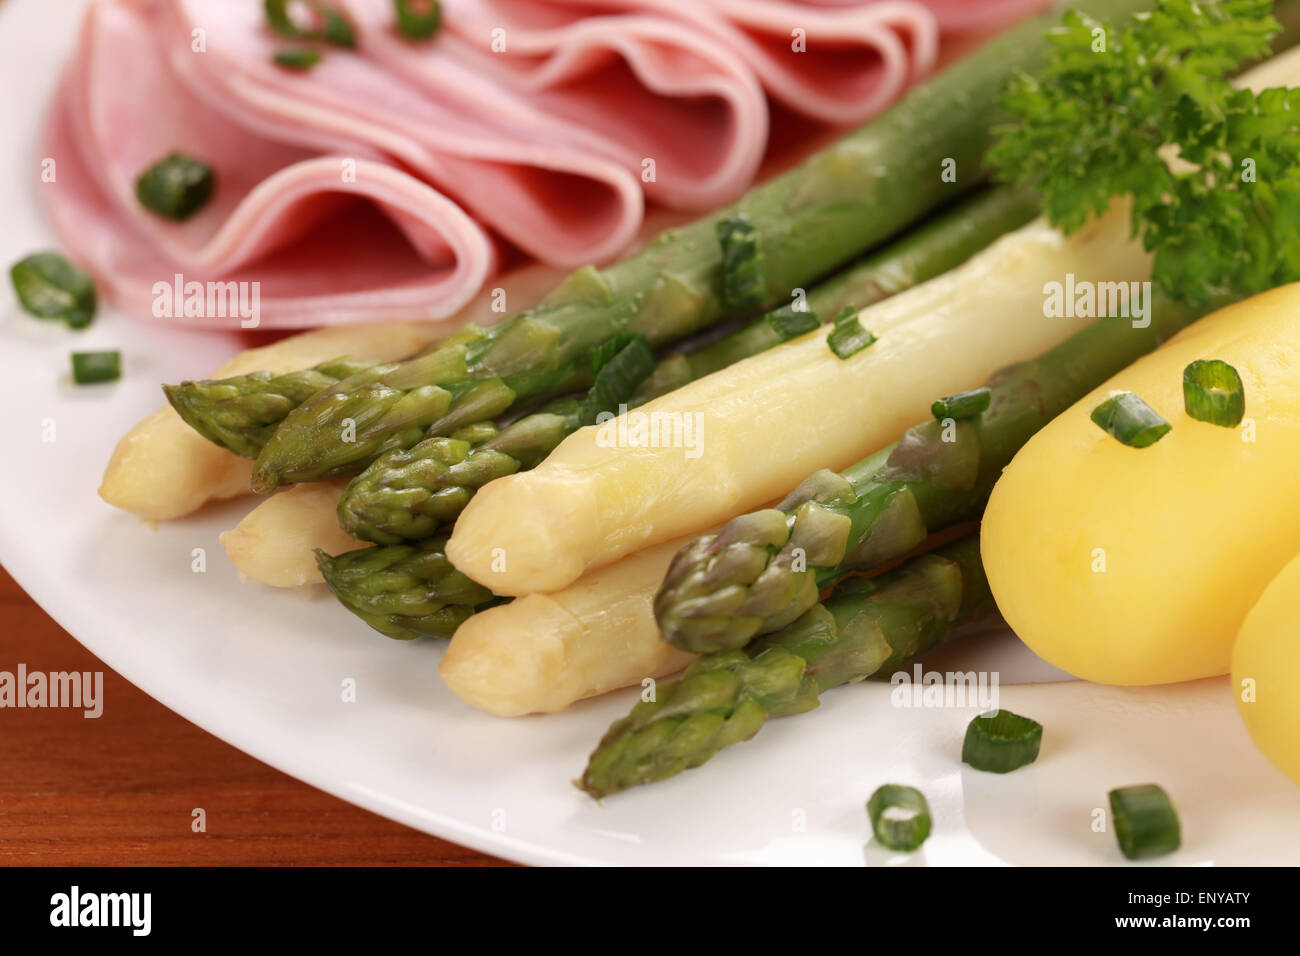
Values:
[(1190, 529), (1267, 653)]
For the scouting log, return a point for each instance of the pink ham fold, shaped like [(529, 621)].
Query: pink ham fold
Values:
[(379, 184)]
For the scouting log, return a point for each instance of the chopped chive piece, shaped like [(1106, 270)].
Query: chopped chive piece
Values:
[(175, 186), (744, 282), (790, 323), (848, 337), (89, 368), (900, 816), (297, 57), (1130, 420), (51, 287), (618, 373), (963, 404), (1001, 741), (1146, 823), (329, 23), (1212, 392), (418, 19)]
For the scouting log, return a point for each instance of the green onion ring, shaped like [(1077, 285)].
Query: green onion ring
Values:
[(1146, 824), (1001, 741), (848, 337), (902, 834), (415, 23), (1212, 392), (962, 405), (90, 368), (1130, 420)]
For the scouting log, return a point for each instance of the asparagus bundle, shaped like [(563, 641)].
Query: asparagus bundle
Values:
[(868, 627), (744, 436), (765, 568), (407, 494), (780, 236)]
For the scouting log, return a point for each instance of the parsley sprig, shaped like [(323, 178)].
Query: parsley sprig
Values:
[(1113, 106)]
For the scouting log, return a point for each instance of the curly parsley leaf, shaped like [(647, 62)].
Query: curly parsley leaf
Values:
[(1148, 112)]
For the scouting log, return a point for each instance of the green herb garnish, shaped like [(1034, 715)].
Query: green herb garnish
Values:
[(900, 817), (175, 186), (1130, 420), (91, 368), (744, 280), (620, 365), (790, 323), (848, 337), (1212, 392), (1146, 823), (50, 287), (963, 404), (297, 57), (330, 24), (418, 19), (1001, 741), (1226, 216)]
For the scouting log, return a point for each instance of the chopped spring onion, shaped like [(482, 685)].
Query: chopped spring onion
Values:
[(618, 373), (1146, 823), (848, 337), (962, 405), (297, 57), (900, 817), (89, 368), (329, 23), (1130, 420), (790, 323), (50, 287), (1212, 392), (744, 280), (176, 186), (1001, 741), (418, 19)]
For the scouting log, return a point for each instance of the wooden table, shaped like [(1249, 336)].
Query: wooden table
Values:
[(121, 789)]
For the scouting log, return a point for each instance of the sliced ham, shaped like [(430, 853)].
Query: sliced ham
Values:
[(383, 183), (283, 217)]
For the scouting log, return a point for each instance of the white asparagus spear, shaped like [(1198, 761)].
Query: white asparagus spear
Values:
[(275, 542), (753, 431), (541, 653)]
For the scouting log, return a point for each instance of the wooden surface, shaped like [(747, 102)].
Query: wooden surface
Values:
[(121, 789)]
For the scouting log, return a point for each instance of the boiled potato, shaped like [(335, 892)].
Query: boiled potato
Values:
[(1266, 671), (1137, 566)]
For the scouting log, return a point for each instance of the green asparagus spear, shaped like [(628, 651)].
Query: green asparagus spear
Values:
[(406, 495), (869, 627), (765, 568), (409, 494), (240, 413), (836, 205), (404, 591)]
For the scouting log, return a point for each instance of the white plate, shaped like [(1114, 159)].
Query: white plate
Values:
[(262, 669)]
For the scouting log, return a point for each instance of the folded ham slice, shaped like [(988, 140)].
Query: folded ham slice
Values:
[(283, 217), (384, 183)]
